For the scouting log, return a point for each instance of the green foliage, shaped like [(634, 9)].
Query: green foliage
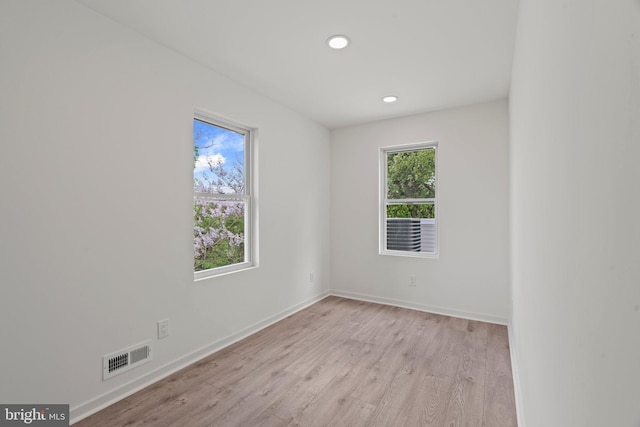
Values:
[(410, 211), (411, 174)]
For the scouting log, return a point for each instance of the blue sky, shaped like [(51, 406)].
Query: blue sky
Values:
[(215, 144)]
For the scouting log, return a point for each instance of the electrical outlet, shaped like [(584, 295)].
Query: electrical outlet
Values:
[(311, 277), (163, 328), (412, 281)]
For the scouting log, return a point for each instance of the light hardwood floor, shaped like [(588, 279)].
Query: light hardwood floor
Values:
[(339, 362)]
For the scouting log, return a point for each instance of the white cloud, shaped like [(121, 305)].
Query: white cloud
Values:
[(202, 162)]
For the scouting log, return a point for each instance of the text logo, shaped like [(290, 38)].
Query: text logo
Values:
[(34, 415)]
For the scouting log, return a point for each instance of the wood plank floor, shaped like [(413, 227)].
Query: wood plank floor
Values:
[(339, 362)]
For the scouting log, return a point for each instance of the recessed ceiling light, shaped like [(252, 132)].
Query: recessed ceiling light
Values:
[(389, 99), (338, 41)]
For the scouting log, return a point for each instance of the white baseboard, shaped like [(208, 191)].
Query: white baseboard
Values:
[(422, 307), (83, 410), (515, 373)]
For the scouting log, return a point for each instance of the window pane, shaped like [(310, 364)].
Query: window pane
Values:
[(411, 227), (218, 235), (222, 214), (411, 174), (218, 159)]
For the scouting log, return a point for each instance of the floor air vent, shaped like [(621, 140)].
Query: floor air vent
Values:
[(123, 360)]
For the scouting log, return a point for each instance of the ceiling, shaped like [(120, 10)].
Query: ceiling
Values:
[(431, 54)]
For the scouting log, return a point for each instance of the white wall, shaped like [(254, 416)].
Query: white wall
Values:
[(96, 206), (470, 278), (575, 145)]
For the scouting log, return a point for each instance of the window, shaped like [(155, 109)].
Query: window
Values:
[(222, 204), (408, 195)]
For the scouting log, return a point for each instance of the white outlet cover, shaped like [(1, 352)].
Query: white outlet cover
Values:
[(163, 328)]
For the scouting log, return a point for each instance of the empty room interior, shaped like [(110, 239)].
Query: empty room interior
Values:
[(324, 288)]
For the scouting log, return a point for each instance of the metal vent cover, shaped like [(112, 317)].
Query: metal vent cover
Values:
[(126, 359)]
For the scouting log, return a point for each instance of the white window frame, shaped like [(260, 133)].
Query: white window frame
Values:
[(384, 153), (250, 219)]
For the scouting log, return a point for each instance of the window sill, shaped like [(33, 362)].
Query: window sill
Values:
[(203, 275), (427, 255)]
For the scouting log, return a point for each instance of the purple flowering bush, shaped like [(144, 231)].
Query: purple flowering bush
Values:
[(218, 233)]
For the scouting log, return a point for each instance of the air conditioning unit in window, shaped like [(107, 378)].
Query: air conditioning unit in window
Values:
[(403, 234)]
